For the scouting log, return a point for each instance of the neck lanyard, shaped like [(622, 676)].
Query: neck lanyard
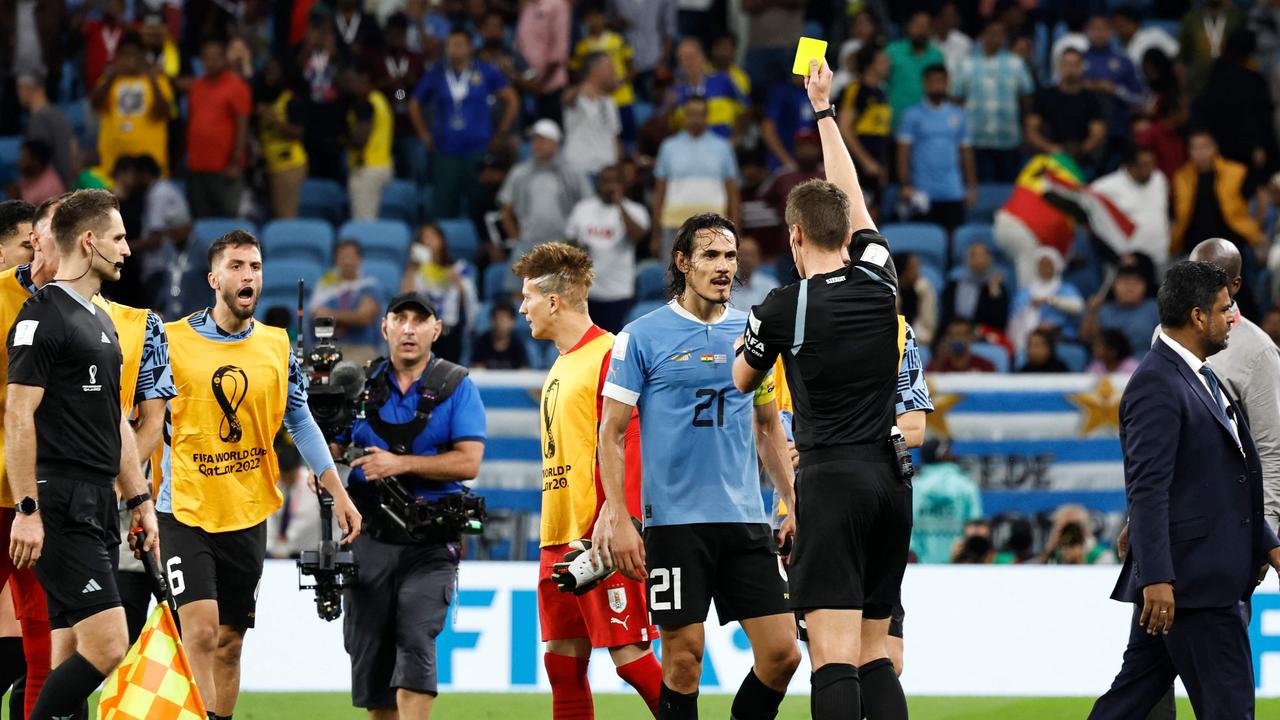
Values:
[(397, 68), (111, 40), (459, 85), (349, 28)]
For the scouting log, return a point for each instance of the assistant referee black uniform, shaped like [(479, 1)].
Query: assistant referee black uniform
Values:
[(64, 344), (837, 334)]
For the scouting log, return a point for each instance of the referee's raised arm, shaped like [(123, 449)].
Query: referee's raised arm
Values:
[(837, 163)]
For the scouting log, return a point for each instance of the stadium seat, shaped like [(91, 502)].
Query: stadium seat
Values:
[(651, 280), (991, 197), (401, 201), (934, 275), (499, 283), (206, 230), (323, 200), (926, 240), (278, 297), (967, 235), (461, 238), (1076, 357), (387, 272), (282, 281), (643, 308), (9, 147), (298, 239), (380, 239), (996, 354)]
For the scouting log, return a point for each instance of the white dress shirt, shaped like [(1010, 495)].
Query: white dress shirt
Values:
[(1195, 364)]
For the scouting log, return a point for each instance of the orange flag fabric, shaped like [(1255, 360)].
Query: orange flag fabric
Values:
[(154, 680)]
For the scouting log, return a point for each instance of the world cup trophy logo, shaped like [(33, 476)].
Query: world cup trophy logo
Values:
[(230, 385), (548, 416)]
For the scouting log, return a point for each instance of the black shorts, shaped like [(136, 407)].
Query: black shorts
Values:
[(222, 566), (733, 563), (854, 516), (78, 562), (393, 616)]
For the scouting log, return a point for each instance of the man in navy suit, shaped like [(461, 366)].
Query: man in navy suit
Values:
[(1197, 537)]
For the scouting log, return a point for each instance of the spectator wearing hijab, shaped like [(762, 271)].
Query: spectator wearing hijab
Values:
[(1046, 302)]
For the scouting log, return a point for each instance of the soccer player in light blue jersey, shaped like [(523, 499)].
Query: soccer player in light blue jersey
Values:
[(707, 536)]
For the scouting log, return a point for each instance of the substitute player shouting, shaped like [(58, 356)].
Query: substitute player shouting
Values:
[(614, 614), (706, 533), (237, 382)]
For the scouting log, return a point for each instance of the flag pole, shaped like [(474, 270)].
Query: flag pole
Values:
[(159, 584)]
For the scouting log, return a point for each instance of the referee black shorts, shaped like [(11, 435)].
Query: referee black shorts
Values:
[(854, 519), (733, 563), (77, 565), (225, 566)]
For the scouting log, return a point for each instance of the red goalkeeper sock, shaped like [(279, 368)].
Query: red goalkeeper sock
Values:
[(37, 645), (570, 692), (645, 675)]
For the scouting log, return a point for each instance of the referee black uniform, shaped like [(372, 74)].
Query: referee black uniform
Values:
[(838, 336), (66, 345)]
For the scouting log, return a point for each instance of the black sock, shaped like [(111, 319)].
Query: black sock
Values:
[(18, 698), (13, 664), (882, 697), (677, 706), (835, 693), (755, 700), (67, 688)]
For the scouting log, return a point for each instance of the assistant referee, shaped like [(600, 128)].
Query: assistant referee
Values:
[(837, 333), (64, 387)]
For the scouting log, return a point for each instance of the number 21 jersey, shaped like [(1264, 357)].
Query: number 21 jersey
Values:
[(697, 447)]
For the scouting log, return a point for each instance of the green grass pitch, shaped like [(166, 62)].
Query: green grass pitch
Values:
[(474, 706)]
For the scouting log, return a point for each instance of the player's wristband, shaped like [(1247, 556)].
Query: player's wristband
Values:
[(137, 500)]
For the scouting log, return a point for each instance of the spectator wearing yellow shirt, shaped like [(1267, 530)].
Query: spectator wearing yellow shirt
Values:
[(370, 130), (132, 102), (599, 39)]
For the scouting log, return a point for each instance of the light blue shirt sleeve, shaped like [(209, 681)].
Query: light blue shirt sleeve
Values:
[(913, 389), (1025, 85), (730, 168), (308, 439), (626, 368), (907, 128), (155, 377), (965, 138), (662, 166)]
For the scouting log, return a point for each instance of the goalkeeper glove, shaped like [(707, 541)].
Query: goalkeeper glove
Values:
[(577, 573)]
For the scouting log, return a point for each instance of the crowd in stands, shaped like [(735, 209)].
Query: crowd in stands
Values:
[(1034, 163)]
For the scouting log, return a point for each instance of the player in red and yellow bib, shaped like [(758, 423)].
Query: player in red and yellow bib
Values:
[(613, 615)]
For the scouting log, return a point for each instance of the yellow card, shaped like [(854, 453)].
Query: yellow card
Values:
[(808, 49)]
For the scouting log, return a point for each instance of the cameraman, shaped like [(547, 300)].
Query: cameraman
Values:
[(426, 429)]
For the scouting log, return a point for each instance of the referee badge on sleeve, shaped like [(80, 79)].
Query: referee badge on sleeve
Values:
[(24, 332)]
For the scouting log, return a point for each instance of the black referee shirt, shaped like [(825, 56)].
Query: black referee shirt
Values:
[(69, 347), (837, 334)]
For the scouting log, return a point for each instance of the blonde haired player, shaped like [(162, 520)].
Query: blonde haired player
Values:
[(612, 614)]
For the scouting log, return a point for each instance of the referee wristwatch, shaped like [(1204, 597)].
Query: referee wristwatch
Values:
[(27, 506), (830, 112)]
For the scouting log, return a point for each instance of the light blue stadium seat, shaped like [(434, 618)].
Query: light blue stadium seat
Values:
[(651, 280), (323, 200), (1076, 357), (380, 239), (926, 240), (991, 197), (933, 274), (401, 200), (965, 236), (643, 308), (9, 147), (282, 280), (996, 354), (298, 239), (387, 272), (461, 238), (206, 230), (499, 283)]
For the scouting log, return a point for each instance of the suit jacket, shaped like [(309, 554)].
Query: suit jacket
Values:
[(1195, 500)]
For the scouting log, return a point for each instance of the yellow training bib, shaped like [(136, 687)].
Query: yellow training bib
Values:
[(12, 296), (231, 401)]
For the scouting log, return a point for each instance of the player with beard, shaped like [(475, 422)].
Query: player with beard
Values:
[(706, 533), (237, 382), (63, 386)]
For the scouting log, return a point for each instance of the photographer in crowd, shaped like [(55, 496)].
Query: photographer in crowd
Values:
[(424, 431)]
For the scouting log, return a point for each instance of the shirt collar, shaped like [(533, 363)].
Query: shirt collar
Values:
[(86, 304), (204, 320), (24, 278), (1187, 356), (679, 310)]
